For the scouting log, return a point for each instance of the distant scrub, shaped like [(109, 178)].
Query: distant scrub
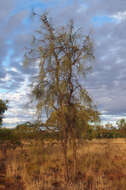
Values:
[(34, 131)]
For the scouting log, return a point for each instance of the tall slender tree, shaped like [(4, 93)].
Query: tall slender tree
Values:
[(63, 56)]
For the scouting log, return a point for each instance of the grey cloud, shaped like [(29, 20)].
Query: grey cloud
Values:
[(106, 83), (102, 7)]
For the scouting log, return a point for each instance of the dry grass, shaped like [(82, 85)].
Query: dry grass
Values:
[(39, 166)]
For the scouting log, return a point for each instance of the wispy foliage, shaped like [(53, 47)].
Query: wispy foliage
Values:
[(63, 56)]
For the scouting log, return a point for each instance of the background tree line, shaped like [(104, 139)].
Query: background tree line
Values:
[(30, 130)]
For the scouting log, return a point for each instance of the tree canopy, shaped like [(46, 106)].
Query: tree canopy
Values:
[(63, 57), (3, 108)]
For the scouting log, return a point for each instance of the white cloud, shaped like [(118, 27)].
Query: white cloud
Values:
[(11, 120), (7, 78), (119, 16), (17, 111), (82, 8), (14, 69), (111, 119)]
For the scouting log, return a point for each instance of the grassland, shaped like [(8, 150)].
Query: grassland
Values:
[(38, 165)]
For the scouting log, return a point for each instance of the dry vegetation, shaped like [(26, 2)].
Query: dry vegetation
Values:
[(39, 166)]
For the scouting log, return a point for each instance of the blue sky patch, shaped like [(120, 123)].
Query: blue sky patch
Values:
[(3, 90), (9, 42), (26, 21), (7, 59), (100, 20), (27, 6)]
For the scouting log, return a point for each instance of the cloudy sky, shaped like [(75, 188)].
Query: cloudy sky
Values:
[(106, 20)]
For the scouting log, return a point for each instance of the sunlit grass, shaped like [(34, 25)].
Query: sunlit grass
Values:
[(101, 164)]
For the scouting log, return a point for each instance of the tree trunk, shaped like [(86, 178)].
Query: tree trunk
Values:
[(64, 147), (74, 158)]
